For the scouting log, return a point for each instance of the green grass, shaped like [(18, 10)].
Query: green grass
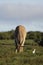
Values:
[(9, 57)]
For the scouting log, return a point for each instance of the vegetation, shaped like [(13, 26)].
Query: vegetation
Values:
[(7, 35), (36, 36), (7, 49)]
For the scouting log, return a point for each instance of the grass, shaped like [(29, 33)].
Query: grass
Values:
[(9, 57)]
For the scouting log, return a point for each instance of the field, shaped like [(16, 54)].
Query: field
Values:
[(9, 57)]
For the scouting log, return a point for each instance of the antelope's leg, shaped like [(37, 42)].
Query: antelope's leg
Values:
[(22, 45), (16, 45)]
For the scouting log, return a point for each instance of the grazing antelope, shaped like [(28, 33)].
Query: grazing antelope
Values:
[(20, 35)]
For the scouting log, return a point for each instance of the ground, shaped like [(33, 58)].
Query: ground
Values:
[(9, 57)]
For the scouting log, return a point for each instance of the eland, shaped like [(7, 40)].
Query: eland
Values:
[(20, 35)]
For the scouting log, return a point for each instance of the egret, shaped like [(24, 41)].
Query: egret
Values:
[(34, 51)]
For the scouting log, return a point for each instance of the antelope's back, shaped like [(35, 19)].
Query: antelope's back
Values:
[(20, 33)]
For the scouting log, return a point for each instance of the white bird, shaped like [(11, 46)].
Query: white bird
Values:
[(34, 51)]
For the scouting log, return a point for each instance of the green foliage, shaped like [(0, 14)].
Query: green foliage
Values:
[(36, 36), (7, 35)]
